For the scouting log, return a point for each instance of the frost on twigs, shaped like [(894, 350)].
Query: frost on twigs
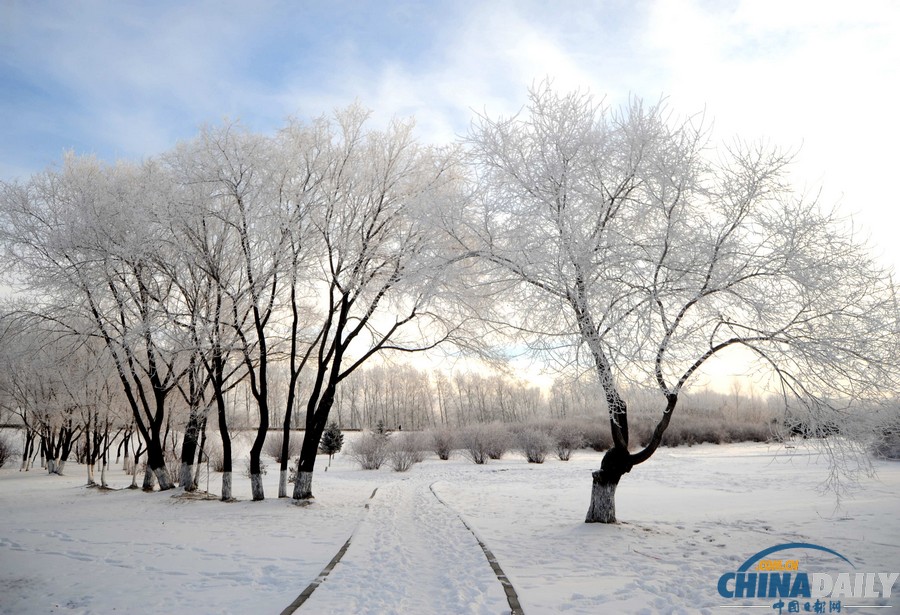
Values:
[(405, 450), (370, 450), (534, 444), (443, 442), (482, 442)]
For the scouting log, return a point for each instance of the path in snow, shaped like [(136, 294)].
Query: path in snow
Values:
[(410, 554)]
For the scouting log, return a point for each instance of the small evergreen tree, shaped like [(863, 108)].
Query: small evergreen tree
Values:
[(332, 440), (381, 428)]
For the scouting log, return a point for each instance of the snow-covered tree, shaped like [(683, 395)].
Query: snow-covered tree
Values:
[(380, 274), (625, 232)]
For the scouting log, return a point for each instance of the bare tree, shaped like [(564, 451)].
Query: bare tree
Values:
[(626, 233)]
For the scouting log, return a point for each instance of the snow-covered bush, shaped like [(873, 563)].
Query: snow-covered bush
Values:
[(499, 440), (263, 468), (482, 442), (534, 444), (370, 450), (216, 455), (567, 437), (274, 440), (173, 463), (597, 435), (443, 441), (405, 450), (474, 441)]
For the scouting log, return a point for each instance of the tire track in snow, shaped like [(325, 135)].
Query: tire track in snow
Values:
[(306, 593), (411, 554), (511, 596)]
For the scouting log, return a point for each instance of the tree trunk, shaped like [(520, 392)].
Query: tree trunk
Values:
[(200, 451), (156, 464), (226, 487), (186, 475), (282, 481), (315, 426), (303, 486), (218, 380), (603, 501), (616, 463), (189, 451), (256, 486), (148, 479)]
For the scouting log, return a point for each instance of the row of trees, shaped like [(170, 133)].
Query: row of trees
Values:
[(613, 240), (313, 248)]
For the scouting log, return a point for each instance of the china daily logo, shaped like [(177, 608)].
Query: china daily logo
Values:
[(770, 575)]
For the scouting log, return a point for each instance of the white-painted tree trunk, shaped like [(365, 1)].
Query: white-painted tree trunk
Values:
[(60, 466), (282, 484), (163, 479), (303, 486), (51, 466), (148, 479), (256, 487), (90, 475), (603, 503), (186, 477), (103, 482), (226, 486)]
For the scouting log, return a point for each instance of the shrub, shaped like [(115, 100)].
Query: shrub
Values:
[(173, 464), (443, 442), (534, 444), (274, 440), (263, 468), (597, 436), (474, 441), (215, 454), (370, 450), (498, 440), (567, 437), (405, 450)]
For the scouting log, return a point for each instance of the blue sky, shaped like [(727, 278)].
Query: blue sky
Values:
[(128, 79)]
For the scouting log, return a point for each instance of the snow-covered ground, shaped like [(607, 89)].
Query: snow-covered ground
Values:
[(688, 516)]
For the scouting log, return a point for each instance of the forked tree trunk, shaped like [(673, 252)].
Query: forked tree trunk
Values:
[(156, 464)]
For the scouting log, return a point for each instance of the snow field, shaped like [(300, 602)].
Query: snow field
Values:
[(688, 516)]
